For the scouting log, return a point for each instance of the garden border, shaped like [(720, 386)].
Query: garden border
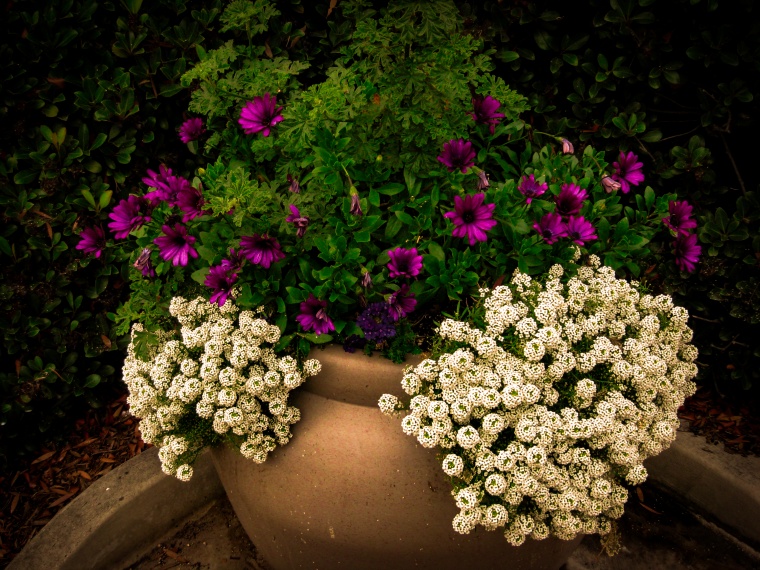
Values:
[(121, 516)]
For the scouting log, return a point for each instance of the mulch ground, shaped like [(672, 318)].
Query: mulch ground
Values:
[(32, 495), (106, 438)]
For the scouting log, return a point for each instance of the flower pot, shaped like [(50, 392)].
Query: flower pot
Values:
[(352, 491)]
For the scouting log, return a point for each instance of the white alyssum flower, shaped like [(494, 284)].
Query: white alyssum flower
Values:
[(571, 385), (218, 370)]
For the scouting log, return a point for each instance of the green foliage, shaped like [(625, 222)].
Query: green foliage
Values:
[(670, 81), (367, 134), (89, 99)]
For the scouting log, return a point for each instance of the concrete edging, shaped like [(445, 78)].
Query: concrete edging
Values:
[(120, 516), (723, 485), (115, 519)]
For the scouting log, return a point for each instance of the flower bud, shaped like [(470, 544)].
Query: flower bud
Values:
[(610, 185), (567, 147)]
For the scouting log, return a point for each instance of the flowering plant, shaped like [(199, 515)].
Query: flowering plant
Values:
[(351, 208), (547, 401), (217, 380)]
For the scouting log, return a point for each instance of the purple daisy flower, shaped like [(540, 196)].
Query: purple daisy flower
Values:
[(628, 171), (235, 261), (529, 188), (402, 302), (458, 155), (144, 264), (260, 115), (610, 185), (472, 218), (169, 190), (190, 200), (93, 240), (176, 245), (484, 111), (687, 252), (551, 227), (221, 279), (570, 199), (404, 262), (261, 250), (191, 130), (680, 220), (483, 181), (295, 187), (129, 215), (157, 179), (567, 147), (376, 322), (299, 221), (580, 230), (314, 316)]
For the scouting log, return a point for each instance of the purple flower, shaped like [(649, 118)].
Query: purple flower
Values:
[(221, 279), (261, 250), (628, 171), (353, 342), (404, 262), (567, 147), (176, 245), (551, 227), (376, 322), (169, 190), (610, 185), (295, 187), (314, 316), (190, 200), (260, 115), (483, 182), (356, 207), (143, 263), (191, 130), (129, 215), (458, 155), (93, 240), (680, 218), (484, 111), (299, 221), (570, 199), (402, 302), (366, 279), (235, 261), (471, 217), (580, 230), (157, 179), (529, 188), (687, 252)]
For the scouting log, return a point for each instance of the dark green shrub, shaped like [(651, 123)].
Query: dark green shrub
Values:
[(674, 83), (89, 97)]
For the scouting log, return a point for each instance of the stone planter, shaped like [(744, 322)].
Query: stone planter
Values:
[(352, 491)]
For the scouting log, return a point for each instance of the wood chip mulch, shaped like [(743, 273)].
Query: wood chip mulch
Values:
[(32, 495), (719, 420)]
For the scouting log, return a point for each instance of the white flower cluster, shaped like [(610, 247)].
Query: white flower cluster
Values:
[(218, 377), (546, 415)]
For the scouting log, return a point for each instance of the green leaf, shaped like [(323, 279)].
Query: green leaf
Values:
[(5, 247), (394, 226), (317, 339), (25, 176), (46, 133), (405, 218), (105, 199), (436, 251), (507, 56), (199, 275), (649, 197), (92, 166), (621, 228), (89, 197), (92, 380)]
